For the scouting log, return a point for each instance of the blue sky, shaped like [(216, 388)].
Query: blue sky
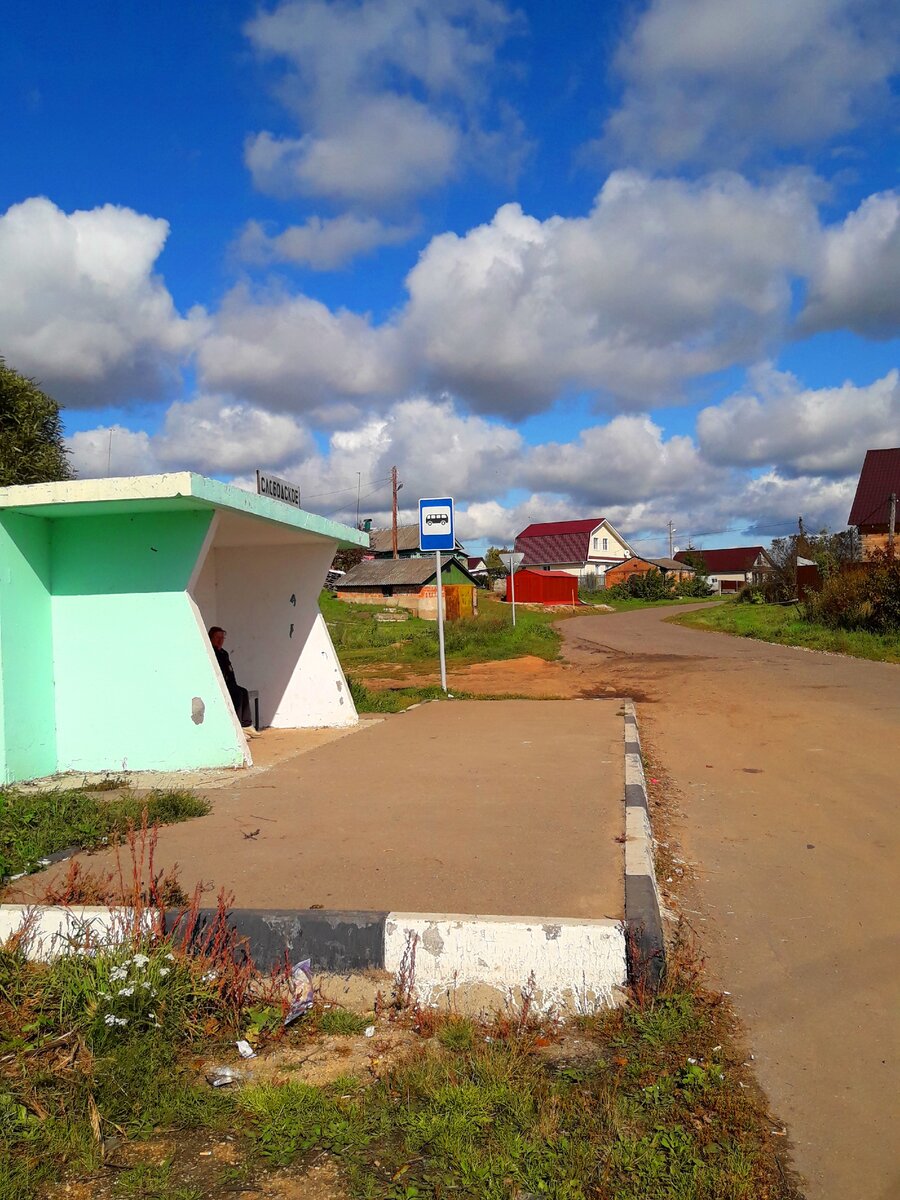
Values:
[(639, 260)]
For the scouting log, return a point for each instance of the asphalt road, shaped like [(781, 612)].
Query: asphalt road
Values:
[(788, 767)]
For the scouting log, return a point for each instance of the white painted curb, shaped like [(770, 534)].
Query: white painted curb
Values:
[(50, 931), (575, 965)]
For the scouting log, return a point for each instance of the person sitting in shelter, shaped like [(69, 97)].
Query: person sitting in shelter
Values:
[(240, 697)]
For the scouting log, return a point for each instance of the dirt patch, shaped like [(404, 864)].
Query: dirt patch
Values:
[(322, 1181), (529, 676), (329, 1058), (199, 1162)]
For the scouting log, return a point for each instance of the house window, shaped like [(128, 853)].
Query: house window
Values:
[(605, 543), (596, 543)]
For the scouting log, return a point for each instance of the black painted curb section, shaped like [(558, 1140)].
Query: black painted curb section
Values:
[(646, 948), (635, 796), (335, 941), (646, 945)]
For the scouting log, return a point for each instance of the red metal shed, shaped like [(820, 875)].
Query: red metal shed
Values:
[(544, 587)]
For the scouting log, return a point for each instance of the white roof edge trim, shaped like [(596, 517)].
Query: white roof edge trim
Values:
[(83, 491), (170, 486)]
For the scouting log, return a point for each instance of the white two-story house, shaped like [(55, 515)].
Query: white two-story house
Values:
[(585, 547)]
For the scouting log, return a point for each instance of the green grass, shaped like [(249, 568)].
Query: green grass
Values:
[(36, 824), (343, 1022), (151, 1182), (785, 626), (360, 640), (656, 1104), (393, 700), (654, 1110)]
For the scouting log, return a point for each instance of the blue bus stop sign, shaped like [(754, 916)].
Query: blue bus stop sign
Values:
[(436, 528)]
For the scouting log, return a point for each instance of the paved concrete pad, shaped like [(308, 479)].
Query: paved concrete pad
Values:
[(505, 807), (276, 746)]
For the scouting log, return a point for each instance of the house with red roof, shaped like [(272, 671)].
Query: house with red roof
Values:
[(876, 502), (731, 568), (583, 547)]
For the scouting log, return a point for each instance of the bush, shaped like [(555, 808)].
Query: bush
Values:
[(653, 585), (694, 587), (752, 593), (866, 596)]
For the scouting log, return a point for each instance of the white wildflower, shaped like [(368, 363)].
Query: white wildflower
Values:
[(170, 957), (110, 1019), (209, 977), (104, 995), (146, 985), (118, 973), (164, 971), (126, 991), (140, 960)]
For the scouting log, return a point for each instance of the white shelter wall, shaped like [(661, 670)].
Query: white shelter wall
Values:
[(205, 591), (267, 598)]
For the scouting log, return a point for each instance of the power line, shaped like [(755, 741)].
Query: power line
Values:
[(365, 497), (352, 488), (715, 532)]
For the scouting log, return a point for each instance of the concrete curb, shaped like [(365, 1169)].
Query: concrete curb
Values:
[(575, 965), (643, 912)]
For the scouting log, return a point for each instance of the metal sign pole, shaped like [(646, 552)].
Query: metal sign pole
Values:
[(512, 583), (440, 617)]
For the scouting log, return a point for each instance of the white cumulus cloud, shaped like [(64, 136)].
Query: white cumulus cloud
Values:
[(322, 244), (721, 80), (209, 434), (227, 437), (112, 450), (81, 308), (664, 280), (292, 352), (386, 94), (805, 431), (855, 283)]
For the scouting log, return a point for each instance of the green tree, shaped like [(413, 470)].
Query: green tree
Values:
[(697, 584), (494, 564), (348, 558), (31, 437)]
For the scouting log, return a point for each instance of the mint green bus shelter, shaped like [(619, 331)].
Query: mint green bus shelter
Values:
[(107, 589)]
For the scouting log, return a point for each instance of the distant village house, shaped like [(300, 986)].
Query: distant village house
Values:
[(874, 511), (732, 568), (381, 545), (411, 583), (582, 548), (670, 568)]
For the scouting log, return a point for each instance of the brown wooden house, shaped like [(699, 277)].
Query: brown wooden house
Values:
[(673, 571), (876, 500)]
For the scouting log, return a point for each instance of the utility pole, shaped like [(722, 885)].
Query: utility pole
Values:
[(395, 487), (892, 523), (672, 532), (358, 485)]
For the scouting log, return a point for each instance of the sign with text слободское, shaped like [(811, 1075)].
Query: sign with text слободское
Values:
[(277, 489)]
